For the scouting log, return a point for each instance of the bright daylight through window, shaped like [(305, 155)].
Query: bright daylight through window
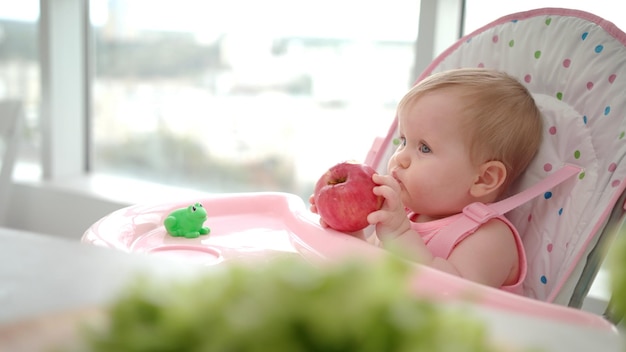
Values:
[(238, 95), (245, 95)]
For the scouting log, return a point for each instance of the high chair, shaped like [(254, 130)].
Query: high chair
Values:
[(566, 205), (573, 64)]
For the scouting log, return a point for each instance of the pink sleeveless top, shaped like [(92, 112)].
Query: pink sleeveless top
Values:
[(442, 247)]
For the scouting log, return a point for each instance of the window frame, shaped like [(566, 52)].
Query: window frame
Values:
[(65, 87)]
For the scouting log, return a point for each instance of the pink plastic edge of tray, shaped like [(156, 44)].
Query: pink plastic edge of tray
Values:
[(315, 243)]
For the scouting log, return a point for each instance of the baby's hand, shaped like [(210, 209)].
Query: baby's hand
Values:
[(391, 220), (313, 209)]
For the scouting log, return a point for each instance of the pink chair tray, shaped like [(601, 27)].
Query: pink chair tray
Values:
[(246, 226), (242, 226)]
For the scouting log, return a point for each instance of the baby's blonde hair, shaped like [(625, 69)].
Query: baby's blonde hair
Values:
[(500, 114)]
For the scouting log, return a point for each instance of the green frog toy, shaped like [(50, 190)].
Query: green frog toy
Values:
[(187, 222)]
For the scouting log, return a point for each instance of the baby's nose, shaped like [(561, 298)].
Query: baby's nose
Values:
[(401, 159)]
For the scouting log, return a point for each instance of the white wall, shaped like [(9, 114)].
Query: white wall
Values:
[(56, 211)]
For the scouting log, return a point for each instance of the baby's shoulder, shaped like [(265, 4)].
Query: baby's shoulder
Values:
[(496, 232)]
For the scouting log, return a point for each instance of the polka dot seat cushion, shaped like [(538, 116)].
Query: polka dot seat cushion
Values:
[(574, 63)]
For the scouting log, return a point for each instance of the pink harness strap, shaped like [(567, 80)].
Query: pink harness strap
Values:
[(477, 213)]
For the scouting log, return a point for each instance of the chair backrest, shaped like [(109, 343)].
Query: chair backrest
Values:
[(10, 127), (573, 64)]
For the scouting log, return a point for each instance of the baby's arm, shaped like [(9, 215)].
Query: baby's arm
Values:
[(489, 256)]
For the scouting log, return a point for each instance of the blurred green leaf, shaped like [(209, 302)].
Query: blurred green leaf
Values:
[(288, 305)]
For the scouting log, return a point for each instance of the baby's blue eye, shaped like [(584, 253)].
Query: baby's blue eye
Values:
[(424, 148), (403, 141)]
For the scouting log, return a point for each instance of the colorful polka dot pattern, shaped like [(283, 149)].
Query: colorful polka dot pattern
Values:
[(573, 68)]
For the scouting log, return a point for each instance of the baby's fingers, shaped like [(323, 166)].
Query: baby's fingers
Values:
[(378, 216), (392, 200), (313, 207), (386, 180), (384, 191)]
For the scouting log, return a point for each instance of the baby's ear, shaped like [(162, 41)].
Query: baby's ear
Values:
[(491, 175)]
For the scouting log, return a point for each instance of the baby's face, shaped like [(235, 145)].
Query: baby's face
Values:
[(432, 162)]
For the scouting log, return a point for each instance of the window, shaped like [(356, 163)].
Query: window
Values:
[(226, 100), (19, 69)]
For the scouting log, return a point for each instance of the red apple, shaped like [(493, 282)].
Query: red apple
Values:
[(343, 196)]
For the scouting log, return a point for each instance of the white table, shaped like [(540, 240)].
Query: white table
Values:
[(41, 274)]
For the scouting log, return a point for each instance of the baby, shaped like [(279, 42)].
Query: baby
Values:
[(464, 136)]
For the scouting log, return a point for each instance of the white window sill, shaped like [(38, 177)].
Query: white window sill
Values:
[(67, 207), (116, 189)]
